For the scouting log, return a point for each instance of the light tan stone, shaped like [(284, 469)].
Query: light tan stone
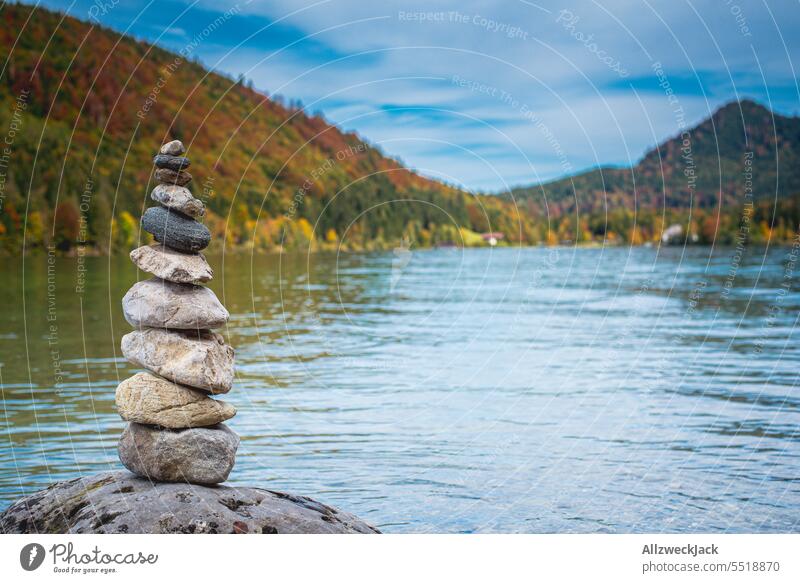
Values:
[(146, 398), (157, 303), (172, 265), (178, 198), (198, 359), (173, 148)]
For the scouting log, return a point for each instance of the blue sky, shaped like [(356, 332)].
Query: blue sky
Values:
[(490, 95)]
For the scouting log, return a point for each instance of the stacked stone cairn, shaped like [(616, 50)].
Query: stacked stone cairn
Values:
[(175, 431)]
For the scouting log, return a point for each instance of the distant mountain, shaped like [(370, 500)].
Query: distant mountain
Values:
[(90, 107), (703, 167)]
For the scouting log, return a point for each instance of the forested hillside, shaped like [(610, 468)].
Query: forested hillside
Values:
[(88, 108)]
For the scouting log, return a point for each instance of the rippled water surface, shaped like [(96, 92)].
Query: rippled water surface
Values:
[(534, 390)]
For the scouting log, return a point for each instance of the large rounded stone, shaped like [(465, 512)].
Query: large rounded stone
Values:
[(178, 198), (200, 455), (167, 176), (120, 502), (172, 265), (173, 148), (197, 358), (172, 162), (175, 230), (146, 398), (156, 303)]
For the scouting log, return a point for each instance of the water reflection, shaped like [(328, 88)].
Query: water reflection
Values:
[(535, 390)]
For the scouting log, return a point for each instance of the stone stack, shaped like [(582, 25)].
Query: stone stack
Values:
[(175, 431)]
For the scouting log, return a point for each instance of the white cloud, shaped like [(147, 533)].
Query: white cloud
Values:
[(367, 58)]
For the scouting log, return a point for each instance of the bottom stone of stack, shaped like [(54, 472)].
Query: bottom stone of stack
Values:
[(199, 455)]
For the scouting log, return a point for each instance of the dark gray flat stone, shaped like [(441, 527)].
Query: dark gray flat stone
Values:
[(175, 230), (171, 162)]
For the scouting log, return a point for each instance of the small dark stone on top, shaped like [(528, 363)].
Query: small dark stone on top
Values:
[(172, 162)]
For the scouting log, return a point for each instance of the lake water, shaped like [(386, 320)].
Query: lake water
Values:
[(484, 390)]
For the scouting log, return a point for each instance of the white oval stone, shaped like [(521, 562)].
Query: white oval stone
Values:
[(172, 265), (146, 398), (178, 198), (198, 359), (173, 148), (157, 303)]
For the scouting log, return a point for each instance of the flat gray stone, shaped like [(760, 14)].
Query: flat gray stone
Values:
[(175, 230), (178, 198), (172, 265), (172, 162), (199, 455), (157, 303), (120, 502), (197, 358), (173, 148), (150, 399), (167, 176)]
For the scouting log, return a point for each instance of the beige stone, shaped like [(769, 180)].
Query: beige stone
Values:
[(147, 398), (198, 359), (172, 265), (173, 148), (157, 303), (178, 198)]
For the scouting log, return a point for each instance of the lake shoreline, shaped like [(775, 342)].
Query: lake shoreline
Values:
[(213, 251)]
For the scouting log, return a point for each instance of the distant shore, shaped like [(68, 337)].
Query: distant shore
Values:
[(244, 250)]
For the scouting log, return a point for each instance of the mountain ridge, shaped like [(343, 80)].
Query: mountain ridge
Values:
[(721, 122)]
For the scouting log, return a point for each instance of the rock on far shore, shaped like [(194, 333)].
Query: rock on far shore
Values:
[(120, 502)]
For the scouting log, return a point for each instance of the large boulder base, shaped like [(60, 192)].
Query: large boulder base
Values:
[(119, 502), (200, 455)]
